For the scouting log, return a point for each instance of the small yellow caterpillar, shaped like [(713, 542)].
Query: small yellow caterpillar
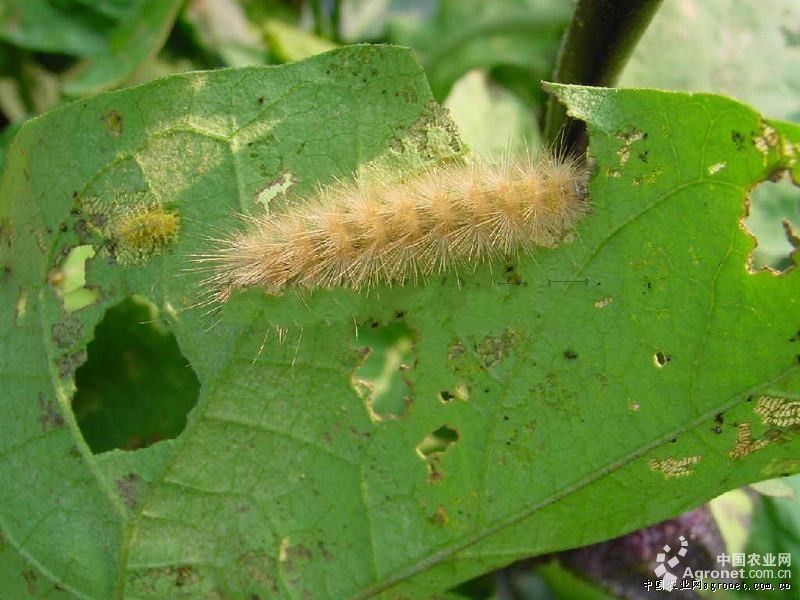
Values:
[(367, 232)]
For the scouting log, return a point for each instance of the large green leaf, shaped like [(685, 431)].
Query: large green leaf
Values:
[(608, 384)]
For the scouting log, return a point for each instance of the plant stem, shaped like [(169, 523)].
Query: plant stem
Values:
[(316, 10), (595, 48), (336, 18)]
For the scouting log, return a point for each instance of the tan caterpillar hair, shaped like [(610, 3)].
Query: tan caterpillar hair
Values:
[(371, 231)]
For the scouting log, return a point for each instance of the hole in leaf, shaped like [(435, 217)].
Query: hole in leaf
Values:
[(774, 216), (69, 280), (380, 380), (661, 359), (433, 446), (114, 123), (437, 442), (439, 517), (461, 392), (136, 387), (22, 306)]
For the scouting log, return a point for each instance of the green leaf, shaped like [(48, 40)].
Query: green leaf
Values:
[(140, 35), (68, 27), (113, 36), (490, 119), (465, 35), (222, 29), (730, 47), (776, 531), (22, 577), (574, 411), (566, 584), (132, 472), (289, 42)]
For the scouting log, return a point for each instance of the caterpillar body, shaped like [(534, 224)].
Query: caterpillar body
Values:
[(372, 231)]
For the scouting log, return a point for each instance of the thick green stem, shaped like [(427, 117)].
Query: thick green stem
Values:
[(595, 48)]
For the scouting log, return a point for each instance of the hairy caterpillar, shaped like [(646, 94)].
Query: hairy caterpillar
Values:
[(368, 231), (141, 232)]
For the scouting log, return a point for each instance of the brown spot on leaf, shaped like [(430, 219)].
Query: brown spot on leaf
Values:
[(128, 487), (745, 444), (259, 568), (738, 139), (493, 349), (30, 581), (675, 467), (777, 411), (439, 517), (553, 392), (50, 417), (114, 123), (185, 575), (603, 302), (66, 332), (293, 555), (67, 363), (181, 576), (766, 139), (324, 552), (628, 136), (455, 350)]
